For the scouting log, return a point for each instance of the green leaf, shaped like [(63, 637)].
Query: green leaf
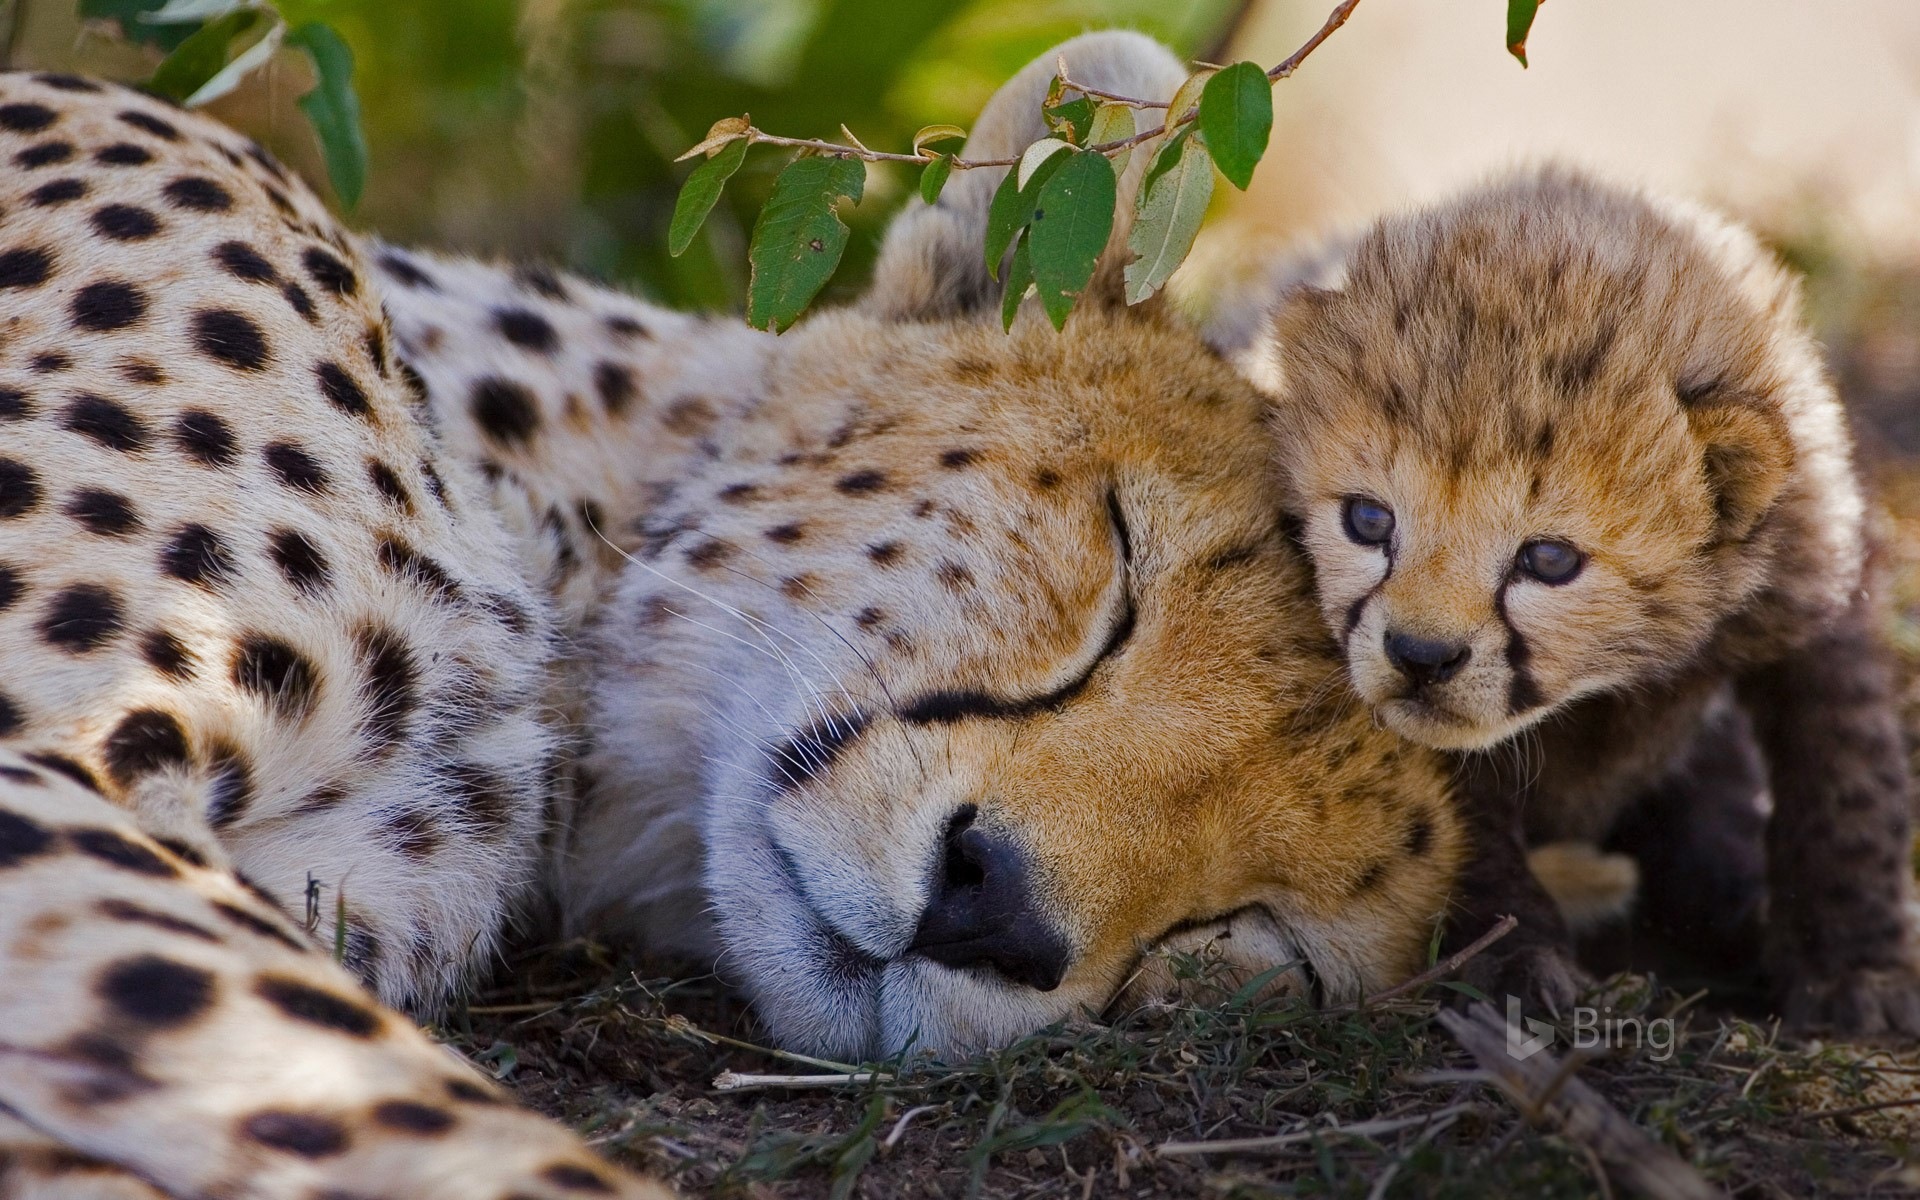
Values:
[(1520, 15), (1236, 115), (333, 109), (934, 178), (1113, 123), (204, 55), (1071, 221), (1188, 96), (1071, 120), (1019, 283), (127, 13), (1167, 158), (1012, 208), (700, 192), (936, 135), (1171, 208), (798, 240)]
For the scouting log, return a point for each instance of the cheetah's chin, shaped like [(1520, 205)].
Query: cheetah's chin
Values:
[(1432, 725)]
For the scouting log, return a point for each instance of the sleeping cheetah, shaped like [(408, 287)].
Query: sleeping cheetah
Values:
[(1580, 501), (926, 676)]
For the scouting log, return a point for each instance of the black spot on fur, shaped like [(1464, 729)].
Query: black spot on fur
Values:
[(67, 83), (107, 422), (244, 262), (329, 272), (256, 924), (204, 437), (953, 460), (305, 1135), (390, 692), (296, 468), (199, 556), (125, 222), (885, 553), (110, 846), (196, 193), (12, 721), (151, 124), (108, 305), (232, 338), (146, 740), (340, 388), (303, 1001), (98, 511), (300, 560), (627, 327), (26, 267), (82, 618), (527, 329), (298, 299), (21, 839), (60, 764), (576, 1178), (1419, 837), (540, 280), (860, 483), (180, 850), (58, 192), (115, 909), (486, 800), (616, 387), (407, 1116), (13, 404), (788, 534), (123, 154), (11, 586), (414, 835), (388, 484), (506, 411), (156, 991), (43, 155), (167, 655), (49, 361), (26, 118), (403, 560), (230, 791), (19, 488), (406, 273), (277, 673)]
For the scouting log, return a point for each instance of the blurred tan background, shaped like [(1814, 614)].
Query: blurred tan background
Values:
[(1800, 115)]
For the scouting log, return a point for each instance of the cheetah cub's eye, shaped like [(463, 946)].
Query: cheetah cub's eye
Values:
[(1551, 562), (1369, 522)]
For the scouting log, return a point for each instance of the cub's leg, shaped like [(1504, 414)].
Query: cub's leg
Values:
[(1840, 943), (161, 1018)]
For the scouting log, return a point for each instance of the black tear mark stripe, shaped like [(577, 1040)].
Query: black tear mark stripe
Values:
[(1522, 692), (808, 753), (949, 705), (1358, 608)]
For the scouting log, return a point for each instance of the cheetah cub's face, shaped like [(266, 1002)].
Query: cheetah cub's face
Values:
[(1531, 439)]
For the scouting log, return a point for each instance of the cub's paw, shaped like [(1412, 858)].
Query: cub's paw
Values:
[(1540, 972), (1864, 1000)]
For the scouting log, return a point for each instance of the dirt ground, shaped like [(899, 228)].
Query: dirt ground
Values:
[(1375, 1103)]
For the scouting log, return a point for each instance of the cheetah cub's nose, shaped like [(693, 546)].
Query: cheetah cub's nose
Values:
[(981, 911), (1425, 662)]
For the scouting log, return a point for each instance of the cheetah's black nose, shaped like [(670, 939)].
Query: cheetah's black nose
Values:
[(981, 910), (1426, 662)]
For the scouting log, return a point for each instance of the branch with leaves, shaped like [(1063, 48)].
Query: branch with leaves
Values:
[(211, 46), (1054, 212)]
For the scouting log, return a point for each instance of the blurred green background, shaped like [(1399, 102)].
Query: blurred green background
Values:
[(547, 128)]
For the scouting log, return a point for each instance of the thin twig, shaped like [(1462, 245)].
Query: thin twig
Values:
[(735, 1081), (1279, 1141), (679, 1024), (1831, 1114), (757, 136), (1442, 969)]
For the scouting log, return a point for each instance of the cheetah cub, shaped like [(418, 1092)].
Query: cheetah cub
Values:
[(1580, 502)]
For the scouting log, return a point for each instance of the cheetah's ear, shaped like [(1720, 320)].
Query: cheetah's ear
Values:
[(1748, 457), (932, 265)]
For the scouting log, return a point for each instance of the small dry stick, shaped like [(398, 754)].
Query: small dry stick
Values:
[(1535, 1085), (1443, 969), (1281, 1141), (757, 136), (736, 1081)]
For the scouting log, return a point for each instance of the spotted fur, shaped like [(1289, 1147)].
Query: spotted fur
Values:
[(1549, 359), (339, 579)]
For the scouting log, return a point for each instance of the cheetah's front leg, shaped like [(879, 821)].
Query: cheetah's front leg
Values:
[(160, 1018), (1840, 944)]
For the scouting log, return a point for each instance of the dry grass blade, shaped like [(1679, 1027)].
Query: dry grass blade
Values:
[(1540, 1085), (1280, 1141)]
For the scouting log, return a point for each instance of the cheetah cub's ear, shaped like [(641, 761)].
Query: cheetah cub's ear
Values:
[(932, 265)]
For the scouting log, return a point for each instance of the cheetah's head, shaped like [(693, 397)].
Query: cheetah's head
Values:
[(1542, 442), (975, 667)]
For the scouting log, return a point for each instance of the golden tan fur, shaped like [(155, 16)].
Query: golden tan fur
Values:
[(1551, 360)]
